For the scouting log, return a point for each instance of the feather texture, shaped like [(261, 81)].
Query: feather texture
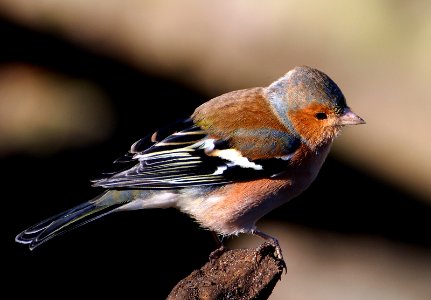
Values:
[(190, 157), (238, 156)]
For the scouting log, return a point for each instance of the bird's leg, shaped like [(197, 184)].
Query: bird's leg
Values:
[(220, 247), (272, 242)]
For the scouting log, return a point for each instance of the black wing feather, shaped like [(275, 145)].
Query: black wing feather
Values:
[(180, 160)]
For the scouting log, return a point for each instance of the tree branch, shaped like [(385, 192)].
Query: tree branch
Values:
[(235, 274)]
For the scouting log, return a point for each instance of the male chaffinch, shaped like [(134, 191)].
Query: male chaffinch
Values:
[(238, 156)]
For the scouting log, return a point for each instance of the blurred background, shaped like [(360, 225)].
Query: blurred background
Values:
[(80, 81)]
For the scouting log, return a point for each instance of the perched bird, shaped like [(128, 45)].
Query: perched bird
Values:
[(238, 156)]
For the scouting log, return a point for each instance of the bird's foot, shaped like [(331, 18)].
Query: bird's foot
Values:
[(217, 253), (271, 246)]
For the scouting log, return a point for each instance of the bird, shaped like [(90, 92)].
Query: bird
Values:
[(237, 157)]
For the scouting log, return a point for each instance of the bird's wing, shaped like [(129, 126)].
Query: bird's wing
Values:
[(186, 156)]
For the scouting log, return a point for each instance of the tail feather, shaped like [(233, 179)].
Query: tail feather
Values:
[(68, 220)]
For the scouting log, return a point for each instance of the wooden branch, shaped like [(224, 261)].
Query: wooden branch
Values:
[(235, 274)]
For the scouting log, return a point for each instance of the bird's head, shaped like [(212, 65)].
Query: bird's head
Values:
[(311, 105)]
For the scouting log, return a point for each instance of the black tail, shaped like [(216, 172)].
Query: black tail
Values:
[(68, 220)]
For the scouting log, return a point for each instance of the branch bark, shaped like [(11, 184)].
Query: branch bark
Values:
[(235, 274)]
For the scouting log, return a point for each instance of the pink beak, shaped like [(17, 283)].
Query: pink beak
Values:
[(350, 118)]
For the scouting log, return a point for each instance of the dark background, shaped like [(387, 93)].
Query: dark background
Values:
[(145, 253)]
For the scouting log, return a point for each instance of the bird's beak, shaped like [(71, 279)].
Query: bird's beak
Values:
[(350, 118)]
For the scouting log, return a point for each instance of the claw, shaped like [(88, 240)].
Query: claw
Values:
[(220, 248), (217, 253), (271, 244)]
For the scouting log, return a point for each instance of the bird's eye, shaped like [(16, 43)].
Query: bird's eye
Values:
[(321, 116)]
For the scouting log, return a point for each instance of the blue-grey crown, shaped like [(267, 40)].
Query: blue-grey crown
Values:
[(317, 86)]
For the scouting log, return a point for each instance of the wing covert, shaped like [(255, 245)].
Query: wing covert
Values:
[(183, 157)]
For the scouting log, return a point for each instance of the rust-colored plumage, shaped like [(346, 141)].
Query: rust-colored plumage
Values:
[(241, 117), (239, 156)]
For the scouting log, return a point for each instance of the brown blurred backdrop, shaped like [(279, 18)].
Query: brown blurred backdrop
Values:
[(80, 81)]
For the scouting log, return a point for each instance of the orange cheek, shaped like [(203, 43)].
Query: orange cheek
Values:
[(305, 122)]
